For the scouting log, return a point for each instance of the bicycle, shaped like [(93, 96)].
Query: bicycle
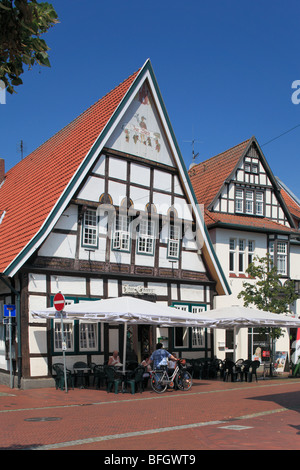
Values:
[(180, 378)]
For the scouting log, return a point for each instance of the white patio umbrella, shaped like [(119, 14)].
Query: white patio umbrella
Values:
[(129, 310), (246, 317), (237, 317)]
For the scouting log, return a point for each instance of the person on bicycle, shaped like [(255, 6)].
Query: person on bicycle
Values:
[(160, 357)]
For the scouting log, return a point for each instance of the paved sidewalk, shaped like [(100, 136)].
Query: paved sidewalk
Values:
[(213, 415)]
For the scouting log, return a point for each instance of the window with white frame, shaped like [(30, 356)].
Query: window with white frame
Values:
[(241, 253), (146, 237), (239, 200), (249, 202), (89, 228), (68, 336), (241, 256), (259, 201), (174, 242), (251, 167), (279, 254), (232, 254), (250, 251), (88, 338), (182, 336), (121, 233), (198, 334)]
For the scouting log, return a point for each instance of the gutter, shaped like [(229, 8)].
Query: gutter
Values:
[(18, 314)]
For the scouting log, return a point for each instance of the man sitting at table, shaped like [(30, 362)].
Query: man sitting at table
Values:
[(114, 360), (160, 357)]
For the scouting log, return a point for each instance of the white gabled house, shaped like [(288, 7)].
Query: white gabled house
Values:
[(106, 209), (248, 212)]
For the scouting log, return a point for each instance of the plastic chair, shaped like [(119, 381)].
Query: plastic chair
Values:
[(81, 375), (98, 376), (239, 368), (111, 380), (245, 369), (252, 371), (137, 381), (229, 370), (59, 376), (131, 365), (197, 368)]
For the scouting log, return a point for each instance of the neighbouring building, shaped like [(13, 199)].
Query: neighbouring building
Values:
[(248, 212), (104, 208)]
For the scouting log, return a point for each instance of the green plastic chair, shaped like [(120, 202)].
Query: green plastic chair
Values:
[(111, 379), (59, 376), (99, 376), (137, 380)]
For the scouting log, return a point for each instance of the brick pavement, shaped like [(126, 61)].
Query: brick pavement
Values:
[(264, 415)]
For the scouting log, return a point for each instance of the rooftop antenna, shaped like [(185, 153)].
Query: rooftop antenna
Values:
[(21, 148), (195, 155)]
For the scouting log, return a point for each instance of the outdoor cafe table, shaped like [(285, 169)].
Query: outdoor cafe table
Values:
[(79, 374)]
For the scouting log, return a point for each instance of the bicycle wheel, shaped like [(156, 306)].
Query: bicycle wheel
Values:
[(184, 380), (156, 382)]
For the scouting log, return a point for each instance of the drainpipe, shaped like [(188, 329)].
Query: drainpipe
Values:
[(18, 314)]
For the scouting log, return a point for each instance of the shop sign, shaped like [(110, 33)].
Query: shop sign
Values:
[(137, 290)]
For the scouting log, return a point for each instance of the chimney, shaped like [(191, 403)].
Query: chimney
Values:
[(2, 169)]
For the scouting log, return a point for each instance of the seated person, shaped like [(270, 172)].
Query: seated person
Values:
[(147, 364), (114, 360)]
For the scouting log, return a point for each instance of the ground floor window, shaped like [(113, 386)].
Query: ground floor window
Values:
[(79, 337), (88, 338), (259, 345), (187, 337), (68, 336)]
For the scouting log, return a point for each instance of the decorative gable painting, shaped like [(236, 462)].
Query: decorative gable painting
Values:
[(140, 131)]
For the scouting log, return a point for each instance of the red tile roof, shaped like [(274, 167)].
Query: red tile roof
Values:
[(264, 223), (32, 187), (208, 177), (292, 205)]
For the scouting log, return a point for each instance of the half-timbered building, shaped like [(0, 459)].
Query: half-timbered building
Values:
[(103, 209), (248, 212)]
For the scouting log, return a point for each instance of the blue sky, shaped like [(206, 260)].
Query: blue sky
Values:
[(225, 69)]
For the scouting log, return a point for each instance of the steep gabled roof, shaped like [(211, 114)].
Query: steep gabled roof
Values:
[(208, 179), (32, 188), (37, 190), (209, 176), (291, 201)]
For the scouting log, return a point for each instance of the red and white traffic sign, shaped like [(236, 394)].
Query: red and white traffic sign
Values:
[(59, 301)]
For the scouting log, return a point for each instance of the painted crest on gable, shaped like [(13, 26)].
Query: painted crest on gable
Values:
[(140, 132)]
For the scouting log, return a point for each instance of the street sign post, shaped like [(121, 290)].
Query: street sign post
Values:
[(59, 304), (9, 312)]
